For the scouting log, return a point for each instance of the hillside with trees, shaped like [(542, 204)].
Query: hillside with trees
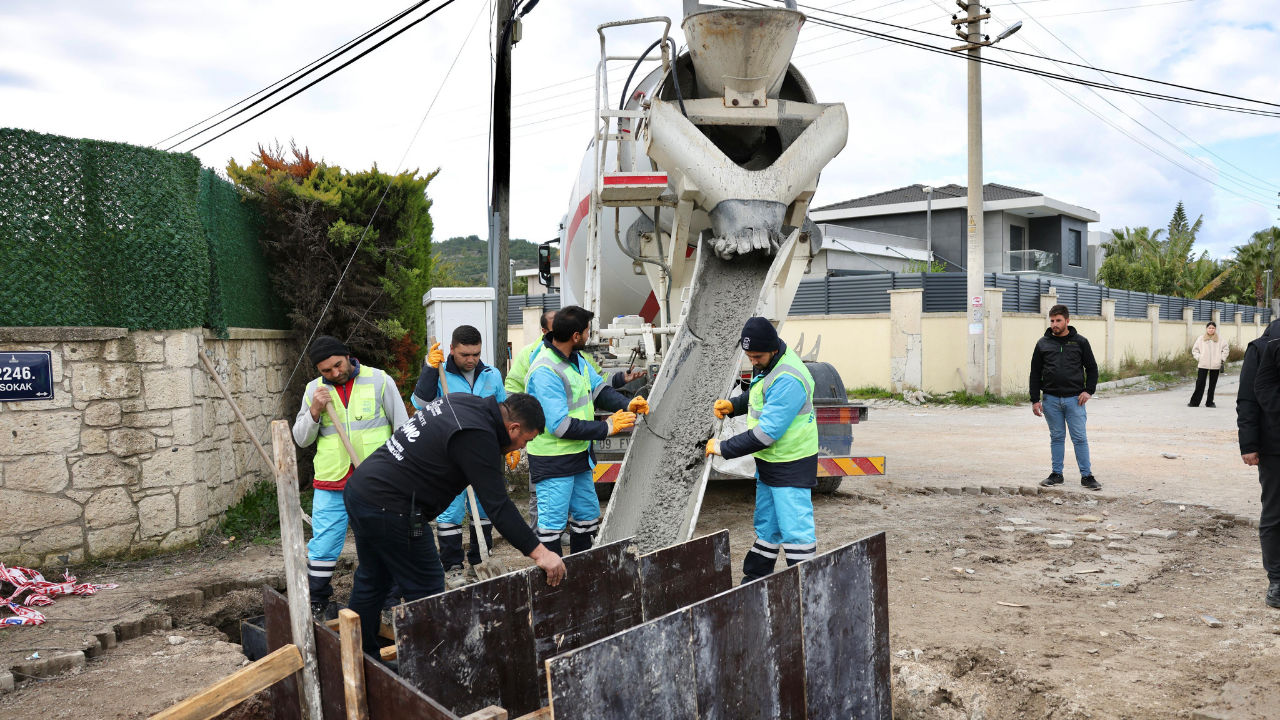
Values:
[(464, 261)]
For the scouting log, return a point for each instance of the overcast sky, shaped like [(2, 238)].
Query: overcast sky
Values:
[(138, 71)]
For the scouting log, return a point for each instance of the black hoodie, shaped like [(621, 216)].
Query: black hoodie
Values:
[(1256, 398), (1063, 366)]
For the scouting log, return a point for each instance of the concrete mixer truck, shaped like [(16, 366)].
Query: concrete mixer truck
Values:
[(689, 215)]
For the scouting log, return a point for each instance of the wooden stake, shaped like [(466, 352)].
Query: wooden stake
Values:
[(352, 665), (295, 567), (236, 688)]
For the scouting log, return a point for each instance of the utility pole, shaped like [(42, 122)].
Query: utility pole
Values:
[(500, 212), (975, 41), (928, 225)]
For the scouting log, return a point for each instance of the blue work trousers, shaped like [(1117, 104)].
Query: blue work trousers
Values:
[(449, 528), (1063, 414), (784, 523), (328, 534), (562, 498)]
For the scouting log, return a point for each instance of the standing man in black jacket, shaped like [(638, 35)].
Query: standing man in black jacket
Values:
[(1258, 417), (1063, 368), (452, 442)]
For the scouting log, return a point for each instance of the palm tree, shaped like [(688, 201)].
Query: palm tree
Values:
[(1254, 258), (1129, 244)]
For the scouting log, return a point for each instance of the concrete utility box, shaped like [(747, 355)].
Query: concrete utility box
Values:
[(447, 308)]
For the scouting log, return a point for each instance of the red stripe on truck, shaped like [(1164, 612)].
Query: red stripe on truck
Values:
[(583, 208), (635, 179)]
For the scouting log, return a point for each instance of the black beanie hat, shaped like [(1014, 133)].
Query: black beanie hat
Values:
[(759, 335), (325, 347)]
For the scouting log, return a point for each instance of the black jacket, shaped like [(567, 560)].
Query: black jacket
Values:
[(452, 442), (1257, 407), (1063, 366)]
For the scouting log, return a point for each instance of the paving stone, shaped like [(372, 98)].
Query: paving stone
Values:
[(1008, 490), (1060, 544), (67, 662), (93, 648), (1035, 530), (952, 491), (106, 638), (1059, 536), (988, 490), (1006, 528), (6, 682), (1162, 534), (1118, 546), (1028, 490), (1114, 536), (970, 490), (1094, 538)]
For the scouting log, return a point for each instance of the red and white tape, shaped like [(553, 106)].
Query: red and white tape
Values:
[(42, 592)]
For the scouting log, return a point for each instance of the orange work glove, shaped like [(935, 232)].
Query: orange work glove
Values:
[(722, 409), (638, 405), (435, 357), (513, 459), (713, 447), (621, 420)]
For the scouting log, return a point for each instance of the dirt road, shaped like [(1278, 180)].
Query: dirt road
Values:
[(1109, 627)]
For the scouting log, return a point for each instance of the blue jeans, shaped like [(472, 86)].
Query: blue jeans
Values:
[(561, 498), (1062, 414), (783, 521)]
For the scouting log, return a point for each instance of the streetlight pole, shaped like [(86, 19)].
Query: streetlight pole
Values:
[(928, 225), (972, 34)]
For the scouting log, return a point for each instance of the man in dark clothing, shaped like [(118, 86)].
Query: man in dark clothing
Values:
[(1063, 369), (1258, 417), (452, 442)]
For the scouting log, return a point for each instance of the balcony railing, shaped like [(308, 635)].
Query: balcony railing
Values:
[(1031, 260)]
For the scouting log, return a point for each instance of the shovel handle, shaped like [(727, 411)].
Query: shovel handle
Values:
[(342, 434), (475, 522)]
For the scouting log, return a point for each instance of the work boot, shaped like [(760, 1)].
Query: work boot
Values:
[(1089, 482), (454, 578), (1273, 595), (1210, 404), (1053, 479), (471, 573)]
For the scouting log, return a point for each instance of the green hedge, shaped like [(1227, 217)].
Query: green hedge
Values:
[(97, 233)]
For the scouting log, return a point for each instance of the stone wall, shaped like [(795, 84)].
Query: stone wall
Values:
[(138, 451)]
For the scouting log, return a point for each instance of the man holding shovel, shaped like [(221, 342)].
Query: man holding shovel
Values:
[(462, 372), (365, 402)]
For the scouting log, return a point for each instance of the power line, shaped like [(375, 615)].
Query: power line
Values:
[(1268, 187), (309, 66), (380, 43), (832, 23)]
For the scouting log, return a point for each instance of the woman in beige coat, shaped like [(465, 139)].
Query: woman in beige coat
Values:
[(1210, 352)]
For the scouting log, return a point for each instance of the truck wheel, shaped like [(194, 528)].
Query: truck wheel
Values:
[(828, 485)]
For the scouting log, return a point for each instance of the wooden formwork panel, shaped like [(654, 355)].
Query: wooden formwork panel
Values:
[(749, 653), (388, 696), (600, 596), (681, 575), (473, 647), (646, 672), (845, 597)]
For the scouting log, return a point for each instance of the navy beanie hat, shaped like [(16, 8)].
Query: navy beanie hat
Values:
[(759, 335), (325, 347)]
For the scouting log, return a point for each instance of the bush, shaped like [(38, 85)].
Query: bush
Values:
[(256, 518)]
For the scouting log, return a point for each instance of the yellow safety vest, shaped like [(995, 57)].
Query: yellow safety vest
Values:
[(577, 391), (365, 422), (801, 438)]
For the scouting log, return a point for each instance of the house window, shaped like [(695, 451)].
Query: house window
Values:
[(1016, 238), (1073, 248)]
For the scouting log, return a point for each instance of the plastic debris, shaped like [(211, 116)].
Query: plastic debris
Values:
[(41, 592)]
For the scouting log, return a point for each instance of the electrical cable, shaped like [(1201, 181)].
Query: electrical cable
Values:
[(380, 43), (309, 66), (830, 23)]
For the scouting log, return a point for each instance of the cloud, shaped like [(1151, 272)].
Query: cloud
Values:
[(140, 73)]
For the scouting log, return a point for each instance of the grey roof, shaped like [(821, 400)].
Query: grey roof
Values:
[(915, 193)]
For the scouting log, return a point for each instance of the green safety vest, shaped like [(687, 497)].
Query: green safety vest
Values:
[(801, 438), (367, 426), (577, 390)]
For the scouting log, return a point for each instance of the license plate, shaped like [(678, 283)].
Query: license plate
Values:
[(618, 443)]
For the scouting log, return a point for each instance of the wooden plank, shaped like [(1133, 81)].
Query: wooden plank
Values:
[(295, 563), (681, 575), (473, 647), (539, 714), (388, 653), (236, 688), (493, 712), (284, 694), (845, 611), (748, 651), (352, 665), (391, 698), (599, 596), (646, 672)]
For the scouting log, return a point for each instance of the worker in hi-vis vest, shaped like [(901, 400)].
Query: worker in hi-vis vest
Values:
[(465, 372), (520, 368), (782, 435), (365, 400), (560, 459)]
